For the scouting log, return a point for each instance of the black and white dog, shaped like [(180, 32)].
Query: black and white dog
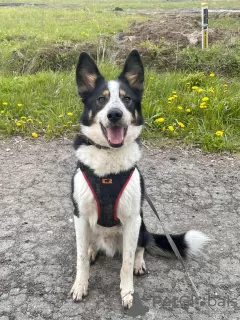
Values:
[(107, 186)]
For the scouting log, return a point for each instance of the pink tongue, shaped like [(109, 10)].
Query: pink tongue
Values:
[(115, 135)]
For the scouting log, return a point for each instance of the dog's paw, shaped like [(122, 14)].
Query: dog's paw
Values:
[(92, 254), (139, 267), (127, 300), (79, 291)]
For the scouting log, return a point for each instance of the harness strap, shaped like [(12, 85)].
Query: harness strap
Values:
[(172, 244), (107, 192)]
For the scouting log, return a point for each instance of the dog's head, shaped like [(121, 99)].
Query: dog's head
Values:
[(112, 115)]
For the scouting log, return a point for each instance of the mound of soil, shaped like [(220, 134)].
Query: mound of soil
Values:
[(181, 30)]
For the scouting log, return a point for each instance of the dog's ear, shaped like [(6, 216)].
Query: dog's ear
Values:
[(87, 74), (133, 71)]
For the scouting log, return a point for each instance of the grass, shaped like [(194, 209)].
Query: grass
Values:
[(137, 4), (39, 48), (47, 104), (25, 32)]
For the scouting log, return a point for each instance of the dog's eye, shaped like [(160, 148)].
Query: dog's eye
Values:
[(101, 99), (127, 99)]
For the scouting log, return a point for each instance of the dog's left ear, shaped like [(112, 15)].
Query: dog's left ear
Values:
[(133, 71), (87, 74)]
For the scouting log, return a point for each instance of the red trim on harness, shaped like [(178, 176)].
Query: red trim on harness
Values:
[(119, 195), (94, 194)]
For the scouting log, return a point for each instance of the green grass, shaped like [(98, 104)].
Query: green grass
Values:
[(31, 31), (39, 49), (138, 4), (47, 98)]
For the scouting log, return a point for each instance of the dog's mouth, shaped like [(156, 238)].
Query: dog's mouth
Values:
[(115, 135)]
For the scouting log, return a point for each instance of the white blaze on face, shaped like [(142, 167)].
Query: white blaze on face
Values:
[(115, 134), (115, 101)]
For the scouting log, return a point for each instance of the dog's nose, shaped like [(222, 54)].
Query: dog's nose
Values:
[(114, 115)]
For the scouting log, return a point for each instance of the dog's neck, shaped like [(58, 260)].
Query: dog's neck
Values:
[(105, 161)]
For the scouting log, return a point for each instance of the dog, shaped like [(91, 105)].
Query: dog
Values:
[(107, 186)]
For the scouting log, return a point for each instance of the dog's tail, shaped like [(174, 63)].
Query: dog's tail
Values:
[(190, 243)]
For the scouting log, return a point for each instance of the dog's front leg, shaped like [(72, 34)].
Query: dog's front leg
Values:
[(130, 238), (80, 287)]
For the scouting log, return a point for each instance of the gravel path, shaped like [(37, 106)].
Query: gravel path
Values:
[(37, 241)]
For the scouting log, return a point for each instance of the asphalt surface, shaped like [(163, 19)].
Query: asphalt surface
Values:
[(191, 190)]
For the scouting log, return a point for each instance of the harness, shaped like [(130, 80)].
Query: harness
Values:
[(107, 192)]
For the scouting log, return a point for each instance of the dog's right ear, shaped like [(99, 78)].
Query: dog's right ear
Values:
[(87, 74)]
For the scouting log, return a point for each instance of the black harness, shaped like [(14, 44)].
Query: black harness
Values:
[(107, 192)]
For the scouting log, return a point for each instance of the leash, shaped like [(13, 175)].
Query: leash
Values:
[(172, 244)]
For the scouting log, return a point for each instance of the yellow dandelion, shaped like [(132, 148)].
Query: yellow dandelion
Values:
[(188, 110), (195, 87), (65, 125), (34, 135), (181, 124), (70, 114), (23, 117), (219, 133), (174, 92), (211, 90), (60, 116), (203, 105), (5, 103), (205, 99), (171, 128), (175, 96), (159, 120), (180, 107), (19, 105), (225, 85), (212, 75), (200, 90), (171, 98), (19, 124)]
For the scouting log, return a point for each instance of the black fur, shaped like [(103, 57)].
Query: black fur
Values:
[(135, 105), (75, 210), (161, 241)]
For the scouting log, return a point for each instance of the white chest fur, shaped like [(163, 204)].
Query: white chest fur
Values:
[(106, 161)]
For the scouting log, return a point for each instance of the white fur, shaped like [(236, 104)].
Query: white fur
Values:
[(114, 102), (106, 161), (80, 286), (139, 263), (195, 241), (94, 132)]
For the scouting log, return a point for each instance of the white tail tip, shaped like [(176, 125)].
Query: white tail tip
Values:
[(195, 241)]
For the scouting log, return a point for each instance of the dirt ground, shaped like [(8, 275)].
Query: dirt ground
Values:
[(175, 28), (191, 189)]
